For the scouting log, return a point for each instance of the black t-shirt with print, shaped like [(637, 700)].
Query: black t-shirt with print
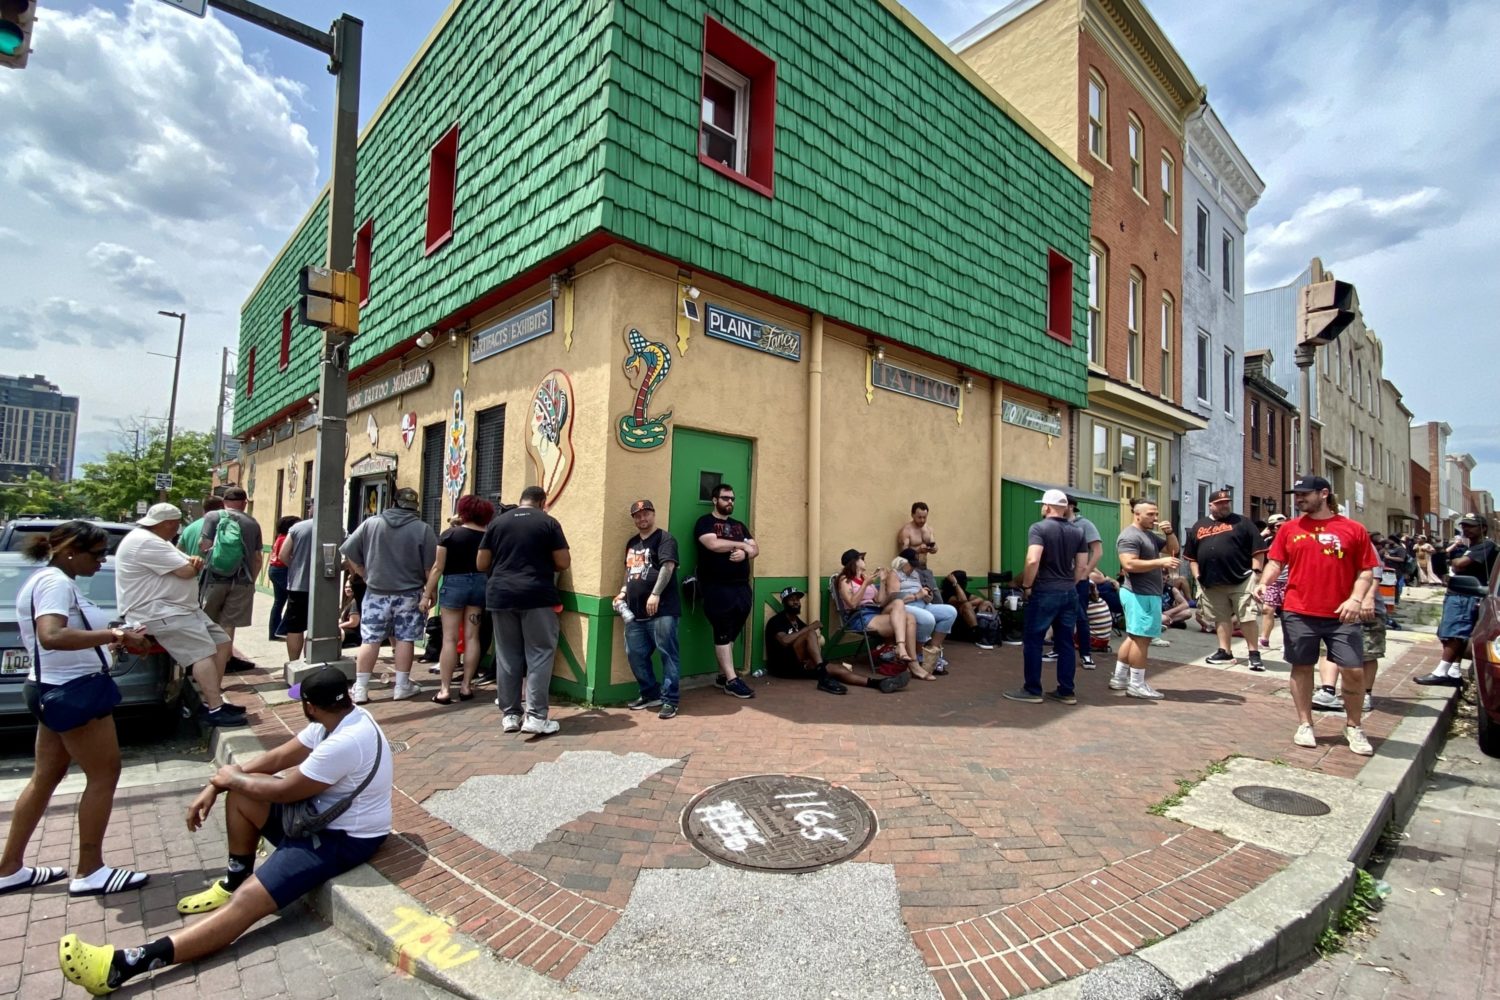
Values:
[(643, 561), (717, 567), (781, 658), (1224, 549)]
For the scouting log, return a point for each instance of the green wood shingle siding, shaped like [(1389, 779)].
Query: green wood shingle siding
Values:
[(906, 202)]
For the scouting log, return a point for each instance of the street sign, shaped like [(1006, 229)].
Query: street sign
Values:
[(191, 6), (140, 507), (164, 480)]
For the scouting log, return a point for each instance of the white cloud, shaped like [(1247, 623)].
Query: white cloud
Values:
[(57, 321), (133, 274)]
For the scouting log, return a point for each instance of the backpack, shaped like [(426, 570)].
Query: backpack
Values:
[(228, 552)]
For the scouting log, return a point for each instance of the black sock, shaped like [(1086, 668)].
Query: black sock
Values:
[(1329, 688), (130, 962), (241, 867)]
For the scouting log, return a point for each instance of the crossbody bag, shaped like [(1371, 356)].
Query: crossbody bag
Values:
[(302, 818), (81, 700)]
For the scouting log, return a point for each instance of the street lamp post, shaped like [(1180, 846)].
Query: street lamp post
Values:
[(166, 462)]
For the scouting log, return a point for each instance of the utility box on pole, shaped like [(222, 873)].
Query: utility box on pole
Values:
[(1328, 307)]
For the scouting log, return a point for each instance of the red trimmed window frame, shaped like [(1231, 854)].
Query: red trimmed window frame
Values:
[(250, 374), (1059, 297), (364, 241), (760, 70), (442, 187), (286, 340)]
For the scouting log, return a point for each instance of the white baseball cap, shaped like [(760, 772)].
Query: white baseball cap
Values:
[(158, 513), (1054, 498)]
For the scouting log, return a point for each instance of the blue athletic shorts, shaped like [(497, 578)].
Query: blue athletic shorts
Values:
[(1142, 614), (301, 864)]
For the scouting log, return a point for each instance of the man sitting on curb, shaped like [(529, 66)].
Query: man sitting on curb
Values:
[(340, 750), (794, 651)]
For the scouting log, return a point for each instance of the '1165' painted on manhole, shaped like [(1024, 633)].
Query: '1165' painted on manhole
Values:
[(778, 823)]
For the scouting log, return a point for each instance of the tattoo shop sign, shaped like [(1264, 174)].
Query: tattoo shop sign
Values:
[(893, 378), (391, 385), (512, 331), (1029, 417), (755, 334)]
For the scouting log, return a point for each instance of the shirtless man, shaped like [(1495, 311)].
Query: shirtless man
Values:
[(915, 534)]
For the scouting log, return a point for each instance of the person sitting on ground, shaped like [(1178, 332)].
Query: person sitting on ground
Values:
[(934, 619), (1174, 603), (970, 607), (794, 651), (340, 756), (875, 605), (349, 614), (1109, 593)]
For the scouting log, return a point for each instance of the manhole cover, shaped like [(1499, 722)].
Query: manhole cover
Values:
[(1281, 800), (778, 823)]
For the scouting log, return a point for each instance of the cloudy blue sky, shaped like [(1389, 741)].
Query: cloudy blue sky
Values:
[(165, 159)]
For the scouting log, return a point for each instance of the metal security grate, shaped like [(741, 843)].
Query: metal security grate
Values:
[(489, 452), (434, 451), (1281, 800)]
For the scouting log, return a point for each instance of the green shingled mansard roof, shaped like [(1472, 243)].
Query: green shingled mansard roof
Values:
[(907, 201)]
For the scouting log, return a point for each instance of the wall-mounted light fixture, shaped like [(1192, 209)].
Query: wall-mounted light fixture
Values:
[(1118, 469), (693, 291), (453, 338), (426, 339), (966, 380), (877, 351)]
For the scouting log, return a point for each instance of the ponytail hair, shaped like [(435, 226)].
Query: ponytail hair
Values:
[(74, 535)]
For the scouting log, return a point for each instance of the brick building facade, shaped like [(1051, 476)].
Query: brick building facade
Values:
[(1269, 420)]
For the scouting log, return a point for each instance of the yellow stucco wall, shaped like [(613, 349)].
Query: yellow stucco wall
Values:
[(1022, 61), (1030, 454)]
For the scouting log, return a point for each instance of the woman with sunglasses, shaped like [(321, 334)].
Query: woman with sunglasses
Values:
[(66, 634)]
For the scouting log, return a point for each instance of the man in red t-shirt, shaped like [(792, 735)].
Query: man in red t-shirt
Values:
[(1330, 569)]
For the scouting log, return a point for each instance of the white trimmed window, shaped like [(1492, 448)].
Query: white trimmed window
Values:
[(1098, 294), (1133, 310), (1168, 187), (1137, 157), (1098, 118), (725, 133), (1167, 322)]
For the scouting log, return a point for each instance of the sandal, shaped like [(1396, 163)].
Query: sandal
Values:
[(466, 697), (211, 898), (438, 699), (86, 965), (118, 880), (40, 875)]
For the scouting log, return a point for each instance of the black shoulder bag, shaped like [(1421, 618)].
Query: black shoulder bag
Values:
[(302, 819), (80, 700)]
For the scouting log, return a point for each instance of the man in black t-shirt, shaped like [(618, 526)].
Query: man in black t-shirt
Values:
[(649, 593), (1226, 552), (725, 548), (794, 650), (523, 550), (1471, 560)]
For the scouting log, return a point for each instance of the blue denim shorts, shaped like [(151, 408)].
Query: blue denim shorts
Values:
[(1460, 613), (860, 617), (462, 590)]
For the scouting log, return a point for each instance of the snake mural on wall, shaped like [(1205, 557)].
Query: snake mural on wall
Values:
[(646, 367)]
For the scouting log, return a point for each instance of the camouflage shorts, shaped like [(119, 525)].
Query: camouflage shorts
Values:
[(1374, 639), (395, 615)]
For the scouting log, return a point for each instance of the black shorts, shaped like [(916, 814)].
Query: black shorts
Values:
[(294, 615), (301, 864), (726, 606), (1305, 636)]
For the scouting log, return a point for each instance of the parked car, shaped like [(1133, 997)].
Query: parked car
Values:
[(149, 682), (15, 532), (1486, 646)]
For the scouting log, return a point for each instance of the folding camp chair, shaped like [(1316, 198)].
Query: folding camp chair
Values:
[(836, 606)]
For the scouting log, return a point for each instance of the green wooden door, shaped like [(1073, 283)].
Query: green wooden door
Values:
[(700, 461), (1019, 511)]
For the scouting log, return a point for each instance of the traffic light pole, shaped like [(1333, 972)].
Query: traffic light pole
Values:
[(1305, 354), (342, 44)]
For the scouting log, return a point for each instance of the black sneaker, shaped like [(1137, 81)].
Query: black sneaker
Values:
[(738, 688), (642, 703), (890, 685), (232, 708), (719, 680), (831, 686), (1087, 662), (1219, 656), (668, 711), (1255, 663), (1049, 656), (220, 718), (1066, 699), (237, 665)]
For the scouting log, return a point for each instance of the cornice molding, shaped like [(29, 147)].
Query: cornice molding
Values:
[(1127, 32)]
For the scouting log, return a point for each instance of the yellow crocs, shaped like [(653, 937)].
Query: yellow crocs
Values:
[(85, 965), (211, 898)]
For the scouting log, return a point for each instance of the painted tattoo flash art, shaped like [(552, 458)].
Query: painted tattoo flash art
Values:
[(550, 443), (646, 366), (453, 469)]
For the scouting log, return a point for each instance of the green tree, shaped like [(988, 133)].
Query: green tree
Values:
[(37, 495), (110, 487)]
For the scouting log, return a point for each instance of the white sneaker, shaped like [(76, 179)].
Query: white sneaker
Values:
[(511, 723), (1119, 684), (1304, 737), (1355, 737), (1327, 701), (1144, 690), (1161, 642), (361, 695), (403, 693), (539, 727), (1369, 702)]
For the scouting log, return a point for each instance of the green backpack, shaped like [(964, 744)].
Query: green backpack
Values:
[(228, 552)]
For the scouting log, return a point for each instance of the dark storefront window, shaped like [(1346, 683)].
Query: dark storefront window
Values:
[(489, 452), (434, 444)]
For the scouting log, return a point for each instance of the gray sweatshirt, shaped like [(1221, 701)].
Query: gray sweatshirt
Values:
[(397, 549)]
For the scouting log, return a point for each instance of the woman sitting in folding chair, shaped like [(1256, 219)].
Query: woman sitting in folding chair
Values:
[(875, 605)]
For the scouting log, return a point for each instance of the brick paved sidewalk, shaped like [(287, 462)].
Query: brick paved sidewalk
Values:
[(1019, 834), (293, 954)]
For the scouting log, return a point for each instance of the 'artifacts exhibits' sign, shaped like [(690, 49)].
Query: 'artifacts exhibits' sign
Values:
[(1049, 422), (391, 385), (511, 331), (885, 375), (753, 333)]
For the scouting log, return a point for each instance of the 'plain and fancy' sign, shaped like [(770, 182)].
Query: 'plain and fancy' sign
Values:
[(512, 331), (391, 385), (756, 334)]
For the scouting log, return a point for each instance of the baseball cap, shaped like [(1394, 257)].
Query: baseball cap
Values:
[(909, 554), (850, 555), (407, 497), (160, 512), (1276, 519), (641, 505), (1221, 494), (326, 687), (1471, 518), (1054, 498), (1310, 484), (791, 592)]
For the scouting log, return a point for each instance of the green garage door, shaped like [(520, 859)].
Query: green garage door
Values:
[(1019, 511)]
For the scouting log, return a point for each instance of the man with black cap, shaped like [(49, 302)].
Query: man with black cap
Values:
[(340, 762), (394, 553), (1225, 551), (650, 595), (794, 651), (1471, 559), (1330, 564)]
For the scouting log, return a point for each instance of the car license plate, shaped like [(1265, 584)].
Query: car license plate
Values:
[(15, 661)]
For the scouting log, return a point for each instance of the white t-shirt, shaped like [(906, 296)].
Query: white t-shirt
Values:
[(145, 588), (50, 591), (342, 760)]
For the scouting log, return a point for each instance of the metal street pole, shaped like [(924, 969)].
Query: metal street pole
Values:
[(166, 462), (219, 419)]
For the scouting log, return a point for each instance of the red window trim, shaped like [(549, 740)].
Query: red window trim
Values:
[(745, 59), (1059, 297), (286, 340), (442, 188), (250, 375), (364, 241)]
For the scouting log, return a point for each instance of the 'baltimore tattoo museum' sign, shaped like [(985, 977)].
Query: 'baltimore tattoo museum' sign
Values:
[(391, 385)]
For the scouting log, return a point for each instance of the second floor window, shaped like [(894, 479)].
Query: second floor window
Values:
[(1098, 264), (1137, 168), (725, 134), (1200, 246), (1166, 346), (1226, 266), (1205, 384), (1133, 328)]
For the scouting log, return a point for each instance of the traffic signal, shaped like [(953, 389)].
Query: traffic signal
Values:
[(16, 18), (1327, 308), (329, 299)]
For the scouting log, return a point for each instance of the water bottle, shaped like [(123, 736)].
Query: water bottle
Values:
[(623, 610)]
